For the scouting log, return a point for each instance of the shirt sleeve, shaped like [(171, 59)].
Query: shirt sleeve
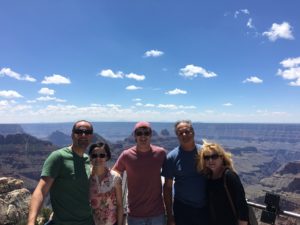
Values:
[(238, 193), (120, 164), (52, 165), (167, 168)]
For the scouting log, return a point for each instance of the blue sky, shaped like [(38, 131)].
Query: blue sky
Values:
[(154, 60)]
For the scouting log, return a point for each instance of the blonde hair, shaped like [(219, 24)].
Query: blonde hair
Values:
[(210, 148)]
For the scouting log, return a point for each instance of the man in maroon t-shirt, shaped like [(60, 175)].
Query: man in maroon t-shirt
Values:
[(143, 163)]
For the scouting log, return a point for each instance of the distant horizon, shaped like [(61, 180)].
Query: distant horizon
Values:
[(194, 122)]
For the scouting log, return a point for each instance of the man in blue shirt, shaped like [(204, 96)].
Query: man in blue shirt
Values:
[(189, 204)]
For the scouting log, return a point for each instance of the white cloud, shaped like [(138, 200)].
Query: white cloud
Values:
[(3, 103), (176, 91), (290, 62), (243, 11), (136, 99), (113, 105), (132, 88), (191, 71), (109, 73), (149, 105), (8, 72), (48, 98), (139, 104), (291, 71), (46, 91), (253, 79), (250, 23), (277, 31), (153, 53), (56, 79), (167, 106), (31, 101), (10, 94), (187, 107), (227, 104), (135, 76), (295, 83)]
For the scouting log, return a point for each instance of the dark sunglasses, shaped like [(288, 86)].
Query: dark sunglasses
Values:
[(143, 133), (100, 155), (213, 157), (80, 131), (187, 132)]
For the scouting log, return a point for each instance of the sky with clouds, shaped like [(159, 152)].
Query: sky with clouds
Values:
[(208, 61)]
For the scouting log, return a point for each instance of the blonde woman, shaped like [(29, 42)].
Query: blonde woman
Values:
[(225, 192)]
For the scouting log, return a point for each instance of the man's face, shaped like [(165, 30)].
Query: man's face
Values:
[(143, 136), (185, 133), (82, 135)]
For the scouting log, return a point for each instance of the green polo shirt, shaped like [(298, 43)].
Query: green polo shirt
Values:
[(69, 193)]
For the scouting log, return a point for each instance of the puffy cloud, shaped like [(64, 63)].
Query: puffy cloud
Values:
[(191, 71), (290, 62), (46, 91), (277, 31), (109, 73), (153, 53), (132, 88), (253, 79), (8, 72), (56, 79), (48, 98), (176, 91), (149, 105), (10, 94), (167, 106), (227, 104), (135, 76), (291, 71)]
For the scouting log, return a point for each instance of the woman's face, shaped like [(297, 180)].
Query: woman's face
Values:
[(98, 156), (213, 161)]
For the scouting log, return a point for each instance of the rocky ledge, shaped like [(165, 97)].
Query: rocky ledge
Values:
[(14, 201)]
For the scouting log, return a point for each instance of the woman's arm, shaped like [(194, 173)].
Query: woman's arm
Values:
[(238, 193), (242, 222), (120, 210)]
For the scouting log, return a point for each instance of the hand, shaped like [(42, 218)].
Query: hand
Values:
[(171, 220)]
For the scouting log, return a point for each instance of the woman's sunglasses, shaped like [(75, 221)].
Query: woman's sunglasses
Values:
[(100, 155), (213, 157)]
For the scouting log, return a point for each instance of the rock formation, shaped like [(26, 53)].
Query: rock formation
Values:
[(14, 201)]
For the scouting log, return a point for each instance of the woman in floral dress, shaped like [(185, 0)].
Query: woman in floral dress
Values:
[(105, 188)]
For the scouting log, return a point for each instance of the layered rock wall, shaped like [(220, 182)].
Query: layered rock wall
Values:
[(14, 201)]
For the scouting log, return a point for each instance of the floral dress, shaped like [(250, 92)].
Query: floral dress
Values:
[(103, 197)]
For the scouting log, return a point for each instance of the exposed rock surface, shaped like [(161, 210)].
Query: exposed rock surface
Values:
[(14, 201)]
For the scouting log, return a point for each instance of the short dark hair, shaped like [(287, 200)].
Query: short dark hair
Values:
[(74, 125), (189, 122), (101, 145)]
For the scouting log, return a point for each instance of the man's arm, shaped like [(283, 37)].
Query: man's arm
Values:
[(168, 198), (38, 197)]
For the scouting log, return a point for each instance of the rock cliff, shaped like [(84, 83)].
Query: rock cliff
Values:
[(14, 201)]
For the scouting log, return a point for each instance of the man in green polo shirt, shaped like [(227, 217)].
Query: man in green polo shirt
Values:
[(65, 175)]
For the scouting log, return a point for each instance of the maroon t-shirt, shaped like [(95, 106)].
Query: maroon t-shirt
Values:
[(144, 181)]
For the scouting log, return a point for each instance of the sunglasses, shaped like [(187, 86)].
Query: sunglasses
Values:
[(213, 157), (143, 133), (187, 132), (80, 131), (100, 155)]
